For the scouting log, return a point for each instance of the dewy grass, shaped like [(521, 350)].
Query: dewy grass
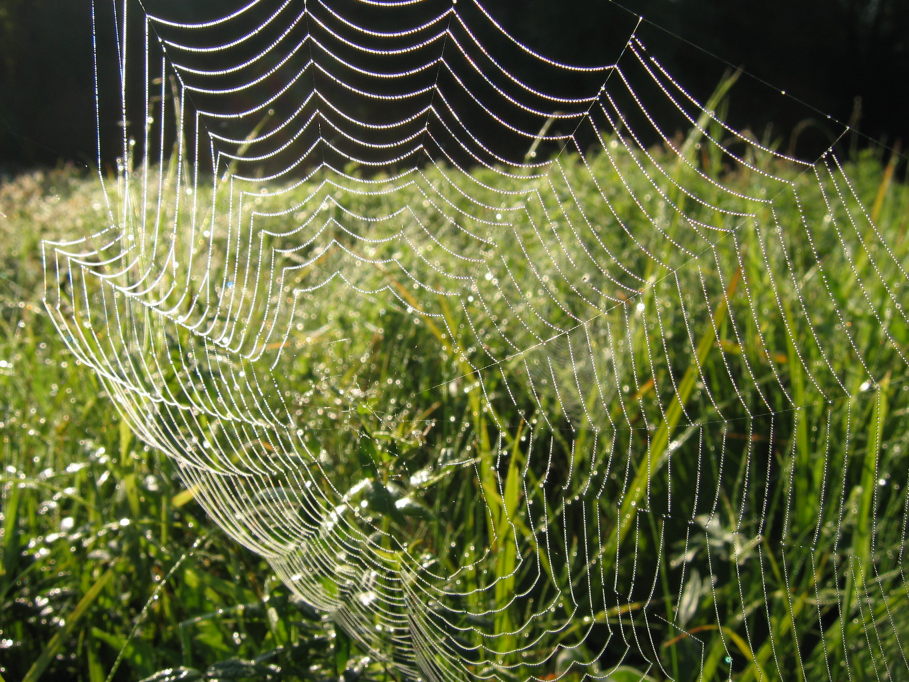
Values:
[(94, 522)]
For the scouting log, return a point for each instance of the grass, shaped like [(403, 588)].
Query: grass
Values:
[(782, 516), (109, 568)]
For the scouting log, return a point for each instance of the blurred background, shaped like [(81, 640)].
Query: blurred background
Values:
[(846, 58)]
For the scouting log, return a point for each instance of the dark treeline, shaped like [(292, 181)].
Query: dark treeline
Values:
[(846, 58)]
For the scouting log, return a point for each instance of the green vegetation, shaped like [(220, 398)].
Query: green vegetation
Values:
[(110, 569), (107, 562)]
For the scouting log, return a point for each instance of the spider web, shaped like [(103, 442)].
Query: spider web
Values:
[(486, 359)]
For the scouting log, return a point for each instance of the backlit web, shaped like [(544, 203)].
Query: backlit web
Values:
[(517, 368)]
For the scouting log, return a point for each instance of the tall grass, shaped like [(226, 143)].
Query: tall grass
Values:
[(111, 571)]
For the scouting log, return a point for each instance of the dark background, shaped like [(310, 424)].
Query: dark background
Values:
[(845, 58)]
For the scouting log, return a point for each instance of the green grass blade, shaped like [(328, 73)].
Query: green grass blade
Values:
[(53, 646), (10, 540), (506, 562), (865, 524)]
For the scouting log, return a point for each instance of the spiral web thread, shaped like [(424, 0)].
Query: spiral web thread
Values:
[(616, 379)]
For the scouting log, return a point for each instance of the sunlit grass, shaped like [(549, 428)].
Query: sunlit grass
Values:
[(109, 567)]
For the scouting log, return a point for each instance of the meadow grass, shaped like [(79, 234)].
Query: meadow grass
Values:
[(108, 567), (111, 570)]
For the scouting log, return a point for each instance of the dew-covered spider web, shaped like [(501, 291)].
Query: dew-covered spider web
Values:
[(517, 368)]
